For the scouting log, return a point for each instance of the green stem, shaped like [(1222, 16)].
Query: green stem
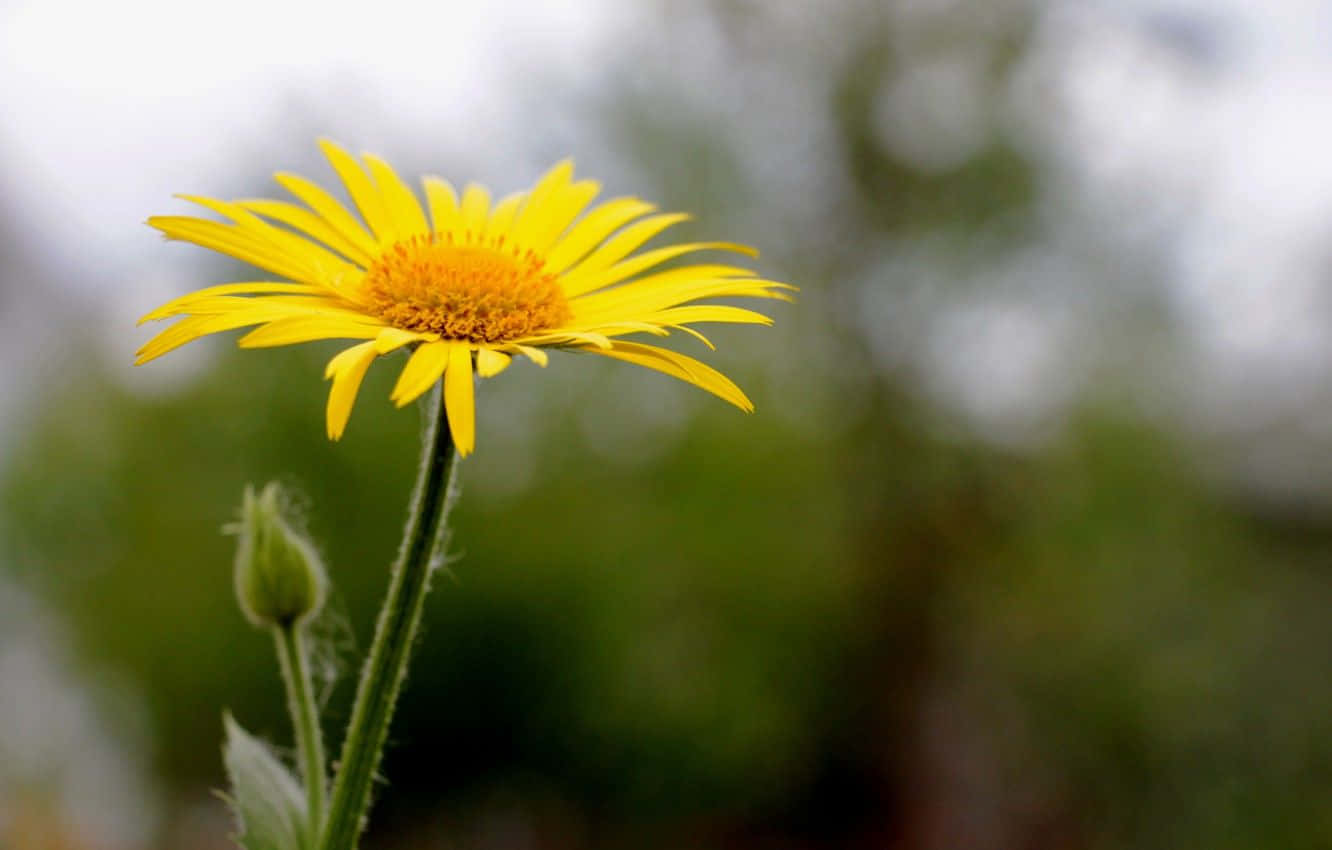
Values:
[(386, 667), (295, 665)]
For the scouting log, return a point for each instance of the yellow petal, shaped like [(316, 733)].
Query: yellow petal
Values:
[(568, 337), (679, 366), (424, 367), (192, 327), (538, 199), (580, 281), (182, 304), (443, 201), (402, 205), (474, 209), (363, 192), (501, 218), (697, 271), (279, 305), (616, 328), (328, 268), (559, 214), (641, 299), (347, 369), (696, 334), (343, 359), (627, 327), (330, 210), (617, 248), (594, 228), (710, 313), (230, 240), (536, 355), (490, 362), (460, 398), (297, 329), (391, 339), (310, 224)]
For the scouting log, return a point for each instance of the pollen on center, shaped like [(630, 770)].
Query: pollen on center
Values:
[(479, 291)]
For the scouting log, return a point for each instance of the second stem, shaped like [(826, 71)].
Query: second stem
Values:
[(304, 719)]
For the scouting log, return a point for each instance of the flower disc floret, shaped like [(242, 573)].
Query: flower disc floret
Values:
[(472, 290)]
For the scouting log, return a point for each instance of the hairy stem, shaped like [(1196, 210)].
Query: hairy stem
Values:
[(386, 667), (295, 665)]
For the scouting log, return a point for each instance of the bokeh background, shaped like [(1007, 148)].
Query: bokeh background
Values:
[(1029, 544)]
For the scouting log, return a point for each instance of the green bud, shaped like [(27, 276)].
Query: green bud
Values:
[(280, 579)]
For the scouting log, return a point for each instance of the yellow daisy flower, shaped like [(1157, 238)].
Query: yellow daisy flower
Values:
[(466, 290)]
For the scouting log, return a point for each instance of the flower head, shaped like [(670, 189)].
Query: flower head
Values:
[(465, 290)]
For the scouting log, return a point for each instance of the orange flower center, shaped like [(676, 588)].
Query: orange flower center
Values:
[(481, 291)]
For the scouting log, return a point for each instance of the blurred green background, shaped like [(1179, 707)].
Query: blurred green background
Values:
[(996, 564)]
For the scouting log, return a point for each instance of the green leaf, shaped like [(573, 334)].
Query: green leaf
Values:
[(267, 800)]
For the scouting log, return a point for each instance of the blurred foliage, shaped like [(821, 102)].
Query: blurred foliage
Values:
[(846, 621)]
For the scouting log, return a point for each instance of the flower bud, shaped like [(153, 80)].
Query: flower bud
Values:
[(280, 579)]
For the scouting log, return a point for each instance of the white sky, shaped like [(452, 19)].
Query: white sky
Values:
[(109, 108)]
